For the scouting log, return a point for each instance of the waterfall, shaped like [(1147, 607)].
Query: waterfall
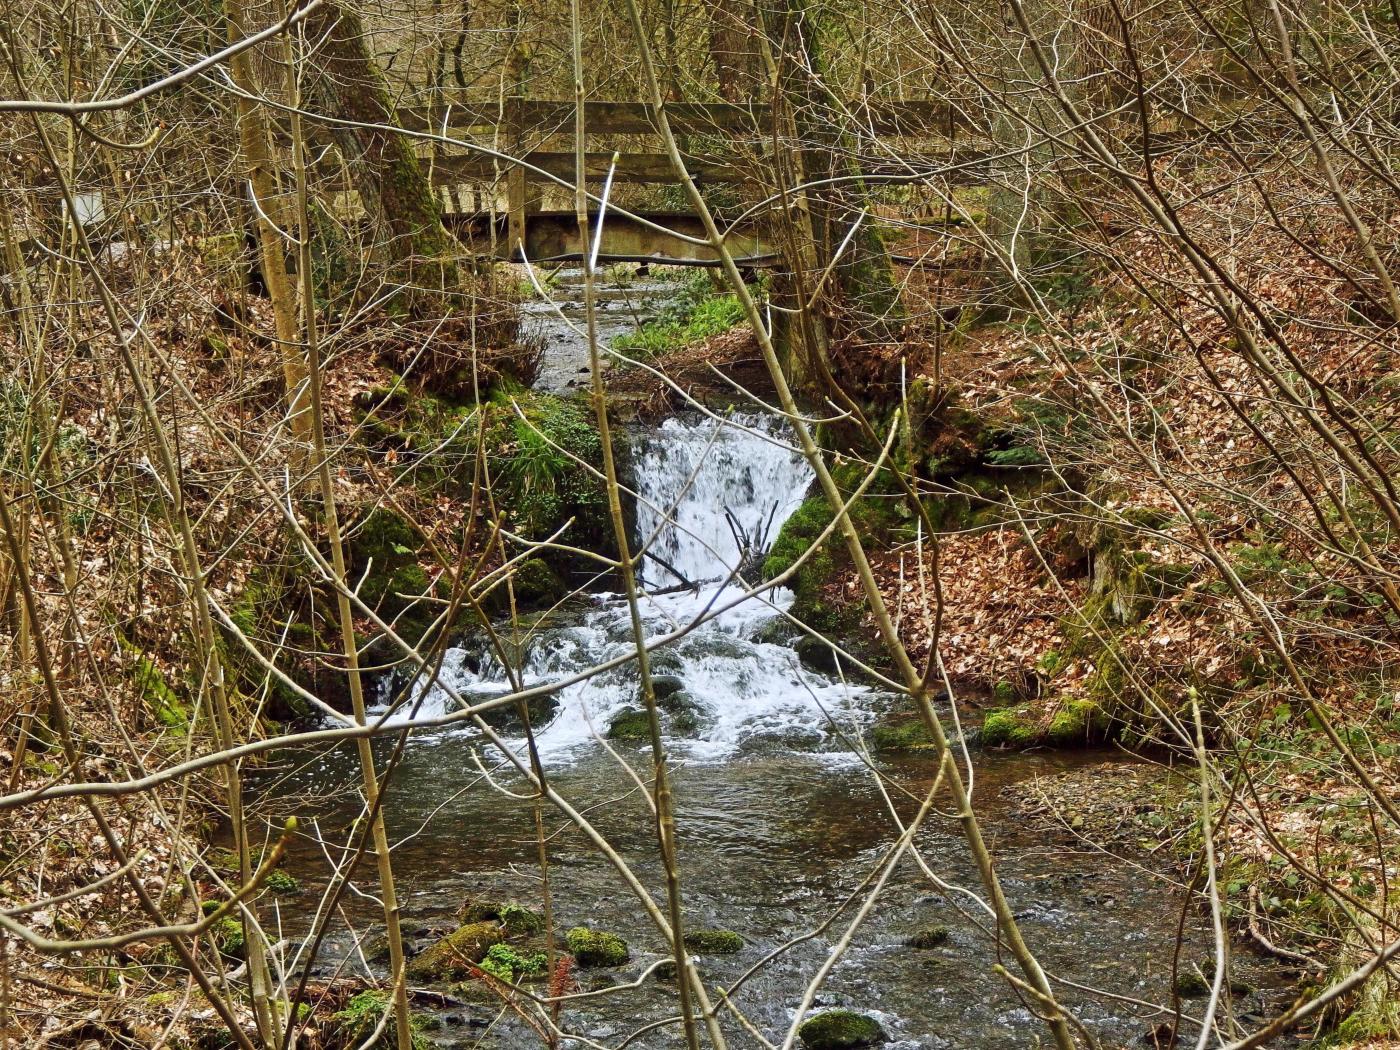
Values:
[(709, 495), (706, 489)]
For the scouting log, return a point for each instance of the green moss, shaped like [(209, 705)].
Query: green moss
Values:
[(1009, 727), (280, 882), (163, 703), (928, 937), (227, 934), (1371, 1025), (1191, 984), (537, 584), (447, 959), (520, 921), (511, 966), (909, 734), (1152, 518), (796, 537), (361, 1016), (1077, 722), (713, 941), (630, 724), (840, 1030), (594, 948)]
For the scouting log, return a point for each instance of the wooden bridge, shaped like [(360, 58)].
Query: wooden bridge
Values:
[(540, 132)]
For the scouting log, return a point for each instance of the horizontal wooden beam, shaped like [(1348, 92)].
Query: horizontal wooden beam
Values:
[(556, 117), (554, 237), (656, 168), (631, 167)]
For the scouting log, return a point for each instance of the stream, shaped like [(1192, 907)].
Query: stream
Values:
[(780, 821)]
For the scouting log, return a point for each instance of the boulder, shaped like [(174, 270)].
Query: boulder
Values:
[(596, 948), (705, 941), (448, 959), (630, 724), (840, 1030)]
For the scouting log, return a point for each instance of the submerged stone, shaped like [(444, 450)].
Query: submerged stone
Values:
[(506, 719), (928, 937), (817, 655), (1191, 984), (840, 1030), (708, 941), (448, 959), (596, 948)]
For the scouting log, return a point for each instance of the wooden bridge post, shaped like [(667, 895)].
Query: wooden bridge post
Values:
[(517, 180)]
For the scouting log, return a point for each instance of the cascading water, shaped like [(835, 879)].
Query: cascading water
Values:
[(711, 494), (710, 497)]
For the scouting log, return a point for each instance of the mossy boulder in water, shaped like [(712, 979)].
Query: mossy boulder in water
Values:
[(539, 709), (595, 948), (1077, 722), (840, 1030), (707, 941), (514, 919), (630, 724), (665, 687), (537, 585), (817, 655), (1009, 727), (908, 734), (1192, 984), (448, 959)]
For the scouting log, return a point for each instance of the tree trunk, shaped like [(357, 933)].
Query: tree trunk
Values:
[(392, 185), (256, 147)]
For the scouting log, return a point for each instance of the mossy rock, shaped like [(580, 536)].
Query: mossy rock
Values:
[(515, 919), (840, 1030), (540, 709), (360, 1018), (1077, 722), (708, 941), (809, 582), (928, 937), (630, 725), (537, 585), (592, 948), (512, 966), (162, 702), (907, 734), (1191, 984), (282, 884), (816, 655), (1009, 727), (665, 686), (227, 934), (447, 959)]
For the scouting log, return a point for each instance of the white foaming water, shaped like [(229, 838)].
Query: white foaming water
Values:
[(715, 483), (718, 485)]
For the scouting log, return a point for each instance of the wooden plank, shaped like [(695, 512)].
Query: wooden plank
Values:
[(631, 167), (655, 168), (606, 117)]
